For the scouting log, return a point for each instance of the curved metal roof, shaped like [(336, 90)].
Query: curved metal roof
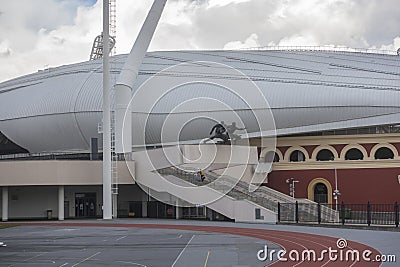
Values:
[(59, 109)]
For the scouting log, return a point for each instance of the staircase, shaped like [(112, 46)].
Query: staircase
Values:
[(233, 198), (263, 196)]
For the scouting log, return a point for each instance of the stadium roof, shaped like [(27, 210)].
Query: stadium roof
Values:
[(58, 109)]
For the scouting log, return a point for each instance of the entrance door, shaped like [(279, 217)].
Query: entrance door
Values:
[(85, 205), (320, 193), (135, 209)]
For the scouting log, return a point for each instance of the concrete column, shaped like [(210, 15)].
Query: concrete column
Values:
[(61, 203), (177, 209), (4, 213), (144, 209), (115, 206)]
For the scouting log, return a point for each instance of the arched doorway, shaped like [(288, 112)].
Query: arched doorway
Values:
[(320, 193), (320, 190)]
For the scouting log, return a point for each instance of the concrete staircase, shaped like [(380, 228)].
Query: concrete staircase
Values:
[(168, 170), (156, 169), (263, 196)]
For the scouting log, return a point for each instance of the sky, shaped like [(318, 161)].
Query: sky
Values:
[(47, 33)]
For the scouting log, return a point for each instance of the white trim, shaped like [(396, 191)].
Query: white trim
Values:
[(294, 148), (338, 139), (387, 145), (356, 146), (321, 147), (343, 164), (264, 152)]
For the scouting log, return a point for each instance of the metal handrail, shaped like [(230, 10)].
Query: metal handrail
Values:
[(324, 49)]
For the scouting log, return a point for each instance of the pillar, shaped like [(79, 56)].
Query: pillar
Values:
[(177, 209), (4, 213), (61, 203), (115, 206)]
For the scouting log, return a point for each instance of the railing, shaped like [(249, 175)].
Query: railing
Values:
[(324, 49), (62, 156), (265, 197), (350, 214), (48, 156)]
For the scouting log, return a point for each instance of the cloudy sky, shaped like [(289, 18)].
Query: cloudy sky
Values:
[(48, 33)]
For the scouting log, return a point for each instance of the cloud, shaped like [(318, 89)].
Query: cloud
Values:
[(251, 41), (56, 32), (394, 46), (44, 32)]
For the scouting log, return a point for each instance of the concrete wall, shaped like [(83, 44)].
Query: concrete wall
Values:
[(245, 211), (32, 201), (59, 172)]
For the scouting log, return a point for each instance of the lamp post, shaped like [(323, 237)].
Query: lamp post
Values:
[(291, 182), (336, 192)]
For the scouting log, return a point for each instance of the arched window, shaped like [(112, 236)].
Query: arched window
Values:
[(272, 156), (325, 155), (297, 156), (320, 193), (384, 153), (354, 154)]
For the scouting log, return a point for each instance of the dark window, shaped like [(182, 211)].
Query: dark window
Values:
[(320, 193), (272, 156), (297, 156), (354, 154), (384, 153), (325, 155)]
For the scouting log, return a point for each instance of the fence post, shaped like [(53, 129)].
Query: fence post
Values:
[(297, 212), (319, 213), (396, 214), (369, 214), (343, 212), (279, 212)]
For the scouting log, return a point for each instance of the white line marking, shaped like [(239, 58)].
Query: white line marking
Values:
[(132, 263), (208, 255), (31, 258), (180, 254), (88, 258), (121, 238), (64, 264)]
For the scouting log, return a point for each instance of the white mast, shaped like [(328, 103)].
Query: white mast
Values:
[(107, 203)]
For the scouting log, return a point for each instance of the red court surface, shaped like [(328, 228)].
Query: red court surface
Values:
[(291, 242)]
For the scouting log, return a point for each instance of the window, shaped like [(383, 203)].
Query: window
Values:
[(320, 193), (384, 153), (354, 154), (325, 155), (297, 156), (272, 156)]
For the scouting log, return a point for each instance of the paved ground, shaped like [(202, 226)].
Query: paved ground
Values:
[(134, 242), (115, 246)]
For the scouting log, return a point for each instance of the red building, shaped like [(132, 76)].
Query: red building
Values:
[(362, 167)]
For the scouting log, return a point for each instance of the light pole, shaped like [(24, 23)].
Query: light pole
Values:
[(336, 192), (291, 182)]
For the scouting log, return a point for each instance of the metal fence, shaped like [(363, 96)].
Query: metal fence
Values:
[(349, 214)]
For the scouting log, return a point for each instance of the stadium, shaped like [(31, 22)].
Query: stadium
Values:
[(257, 135), (335, 112)]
